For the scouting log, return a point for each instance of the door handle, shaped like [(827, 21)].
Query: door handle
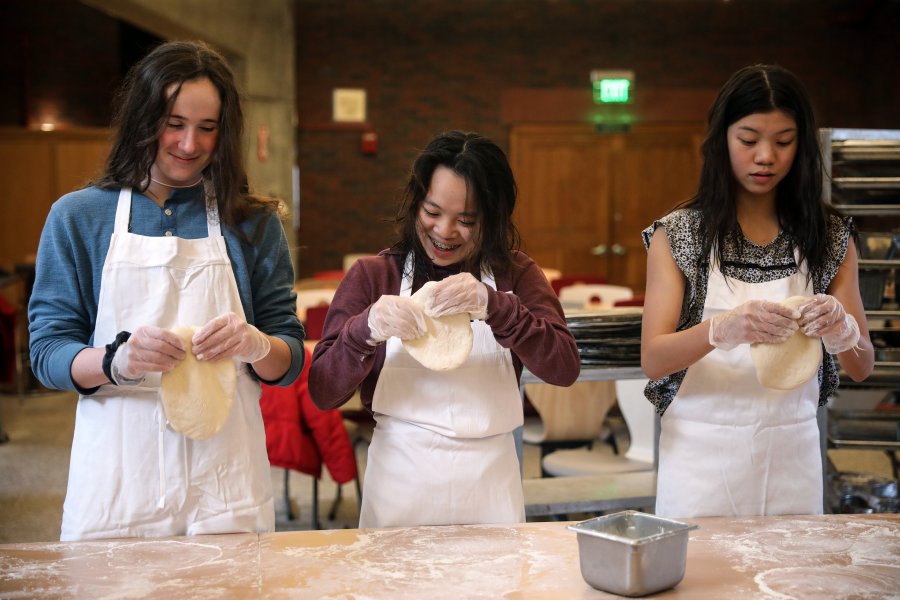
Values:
[(619, 250), (599, 250)]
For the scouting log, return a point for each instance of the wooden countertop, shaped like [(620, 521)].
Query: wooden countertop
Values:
[(829, 556)]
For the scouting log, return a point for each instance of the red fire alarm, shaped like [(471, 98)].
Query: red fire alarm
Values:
[(369, 143)]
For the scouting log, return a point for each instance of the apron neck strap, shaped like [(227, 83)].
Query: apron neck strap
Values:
[(123, 214), (123, 210)]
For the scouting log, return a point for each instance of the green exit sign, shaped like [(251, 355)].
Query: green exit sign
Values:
[(612, 87)]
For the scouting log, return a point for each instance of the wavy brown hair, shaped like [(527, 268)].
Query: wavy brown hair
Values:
[(143, 105)]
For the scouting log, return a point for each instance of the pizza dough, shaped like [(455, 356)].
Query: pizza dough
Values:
[(447, 341), (197, 395), (790, 364)]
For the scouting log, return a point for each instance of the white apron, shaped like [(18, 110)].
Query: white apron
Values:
[(130, 475), (443, 451), (731, 447)]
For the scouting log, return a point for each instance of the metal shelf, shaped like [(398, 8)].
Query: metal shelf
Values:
[(867, 183), (883, 314), (884, 375), (887, 263), (869, 210), (864, 429), (866, 152), (845, 135), (593, 373)]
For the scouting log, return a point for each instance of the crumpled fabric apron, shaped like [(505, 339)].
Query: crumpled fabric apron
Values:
[(130, 475), (729, 446), (443, 451)]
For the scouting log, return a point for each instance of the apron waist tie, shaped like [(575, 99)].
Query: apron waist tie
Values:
[(160, 418)]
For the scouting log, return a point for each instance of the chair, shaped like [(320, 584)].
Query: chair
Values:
[(350, 259), (307, 298), (636, 301), (564, 280), (552, 274), (581, 295), (640, 417), (333, 275), (570, 417), (315, 321)]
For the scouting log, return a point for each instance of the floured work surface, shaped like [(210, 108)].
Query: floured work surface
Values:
[(817, 557)]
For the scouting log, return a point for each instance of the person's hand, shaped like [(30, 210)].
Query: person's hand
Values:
[(395, 316), (824, 316), (460, 293), (229, 336), (148, 350), (751, 322)]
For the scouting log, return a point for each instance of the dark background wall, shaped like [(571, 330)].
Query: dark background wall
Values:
[(432, 65), (61, 61)]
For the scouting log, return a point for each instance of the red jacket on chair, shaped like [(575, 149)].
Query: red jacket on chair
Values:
[(302, 437)]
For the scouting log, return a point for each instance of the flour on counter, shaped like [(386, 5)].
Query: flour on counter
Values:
[(431, 562), (830, 560), (802, 583)]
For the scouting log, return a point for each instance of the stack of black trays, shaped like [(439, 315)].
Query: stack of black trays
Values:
[(609, 337)]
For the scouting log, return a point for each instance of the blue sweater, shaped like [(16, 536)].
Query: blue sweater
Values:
[(63, 308)]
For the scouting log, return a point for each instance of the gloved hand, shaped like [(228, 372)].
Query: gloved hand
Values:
[(229, 336), (751, 322), (824, 316), (460, 293), (395, 316), (148, 350)]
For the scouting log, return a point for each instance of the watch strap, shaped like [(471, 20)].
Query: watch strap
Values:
[(111, 348)]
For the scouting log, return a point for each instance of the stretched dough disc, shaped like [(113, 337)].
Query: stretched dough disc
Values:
[(197, 395), (447, 341), (790, 364)]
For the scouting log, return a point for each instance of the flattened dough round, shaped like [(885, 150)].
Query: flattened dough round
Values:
[(447, 341), (790, 364), (197, 395)]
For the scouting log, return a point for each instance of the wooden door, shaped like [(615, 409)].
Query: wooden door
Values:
[(563, 201), (584, 197), (656, 168), (36, 168)]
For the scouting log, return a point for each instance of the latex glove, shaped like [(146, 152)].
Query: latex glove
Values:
[(460, 293), (395, 316), (751, 322), (824, 316), (148, 350), (229, 336)]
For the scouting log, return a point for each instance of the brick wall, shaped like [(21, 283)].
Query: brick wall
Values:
[(432, 65), (59, 62)]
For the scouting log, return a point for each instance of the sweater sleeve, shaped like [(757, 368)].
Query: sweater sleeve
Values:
[(530, 322), (273, 304), (342, 359), (62, 309)]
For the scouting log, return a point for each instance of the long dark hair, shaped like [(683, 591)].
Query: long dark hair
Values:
[(799, 205), (489, 179), (142, 107)]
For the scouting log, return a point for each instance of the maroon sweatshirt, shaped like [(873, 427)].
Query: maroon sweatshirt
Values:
[(529, 321)]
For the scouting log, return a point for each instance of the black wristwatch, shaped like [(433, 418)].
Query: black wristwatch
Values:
[(121, 338)]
